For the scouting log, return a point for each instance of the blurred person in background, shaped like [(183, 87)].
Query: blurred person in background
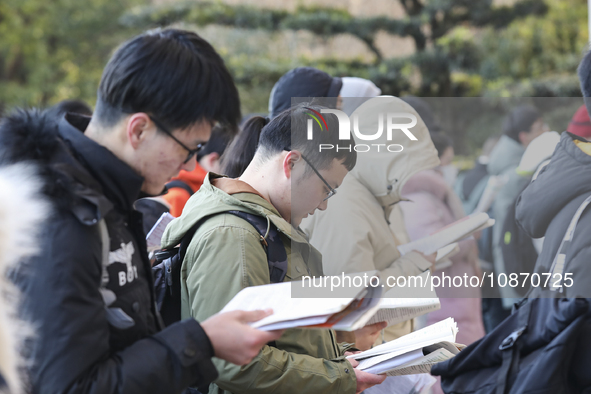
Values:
[(69, 106), (549, 203), (445, 148), (355, 91), (580, 124), (304, 82), (470, 187), (241, 150), (182, 187), (521, 126)]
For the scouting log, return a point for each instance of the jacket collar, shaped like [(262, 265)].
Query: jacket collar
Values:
[(120, 183), (245, 193)]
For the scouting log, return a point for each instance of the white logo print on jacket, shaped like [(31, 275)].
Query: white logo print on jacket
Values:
[(124, 255)]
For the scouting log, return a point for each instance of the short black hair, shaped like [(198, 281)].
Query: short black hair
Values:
[(289, 131), (70, 106), (171, 74), (218, 142), (441, 141), (584, 72), (520, 119)]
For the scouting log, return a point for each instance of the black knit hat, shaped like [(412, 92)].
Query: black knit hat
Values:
[(306, 82)]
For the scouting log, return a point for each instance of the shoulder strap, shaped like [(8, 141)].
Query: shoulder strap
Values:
[(559, 262), (180, 185), (269, 237), (511, 350), (105, 253), (271, 242)]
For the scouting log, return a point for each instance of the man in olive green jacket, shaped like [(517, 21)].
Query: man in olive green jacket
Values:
[(287, 180)]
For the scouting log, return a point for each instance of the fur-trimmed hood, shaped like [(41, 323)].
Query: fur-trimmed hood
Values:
[(75, 171), (32, 136), (22, 210)]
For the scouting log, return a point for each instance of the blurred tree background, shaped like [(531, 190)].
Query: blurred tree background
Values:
[(50, 51)]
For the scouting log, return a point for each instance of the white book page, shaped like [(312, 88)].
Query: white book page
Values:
[(422, 364), (449, 234), (359, 318), (303, 322), (397, 314), (154, 237), (277, 296), (444, 330), (394, 362)]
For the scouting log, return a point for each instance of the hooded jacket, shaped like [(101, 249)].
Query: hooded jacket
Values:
[(22, 210), (504, 160), (226, 256), (353, 233), (547, 205), (301, 82), (356, 91), (87, 343)]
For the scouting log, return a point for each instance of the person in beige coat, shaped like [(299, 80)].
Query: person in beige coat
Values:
[(354, 235)]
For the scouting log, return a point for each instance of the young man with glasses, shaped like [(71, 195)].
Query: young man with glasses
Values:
[(287, 180), (90, 292)]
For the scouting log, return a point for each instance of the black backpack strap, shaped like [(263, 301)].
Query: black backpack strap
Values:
[(511, 350), (180, 185), (271, 241)]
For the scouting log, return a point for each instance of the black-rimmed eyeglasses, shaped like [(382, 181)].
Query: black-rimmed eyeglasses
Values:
[(332, 191), (192, 152)]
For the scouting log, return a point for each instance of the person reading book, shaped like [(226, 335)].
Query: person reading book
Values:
[(287, 180), (355, 234)]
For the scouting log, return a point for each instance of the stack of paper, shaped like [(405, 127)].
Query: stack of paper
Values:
[(413, 353)]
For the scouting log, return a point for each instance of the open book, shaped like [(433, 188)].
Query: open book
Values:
[(363, 306), (454, 232), (413, 353), (346, 314), (396, 306)]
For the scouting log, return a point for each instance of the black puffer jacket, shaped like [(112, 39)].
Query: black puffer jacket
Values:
[(548, 204), (82, 346)]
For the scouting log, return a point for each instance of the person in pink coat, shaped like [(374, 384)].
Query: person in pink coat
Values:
[(432, 206)]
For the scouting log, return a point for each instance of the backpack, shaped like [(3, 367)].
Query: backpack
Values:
[(167, 269), (541, 348), (519, 253), (532, 351)]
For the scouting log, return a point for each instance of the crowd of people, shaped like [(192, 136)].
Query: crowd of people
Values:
[(81, 188)]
